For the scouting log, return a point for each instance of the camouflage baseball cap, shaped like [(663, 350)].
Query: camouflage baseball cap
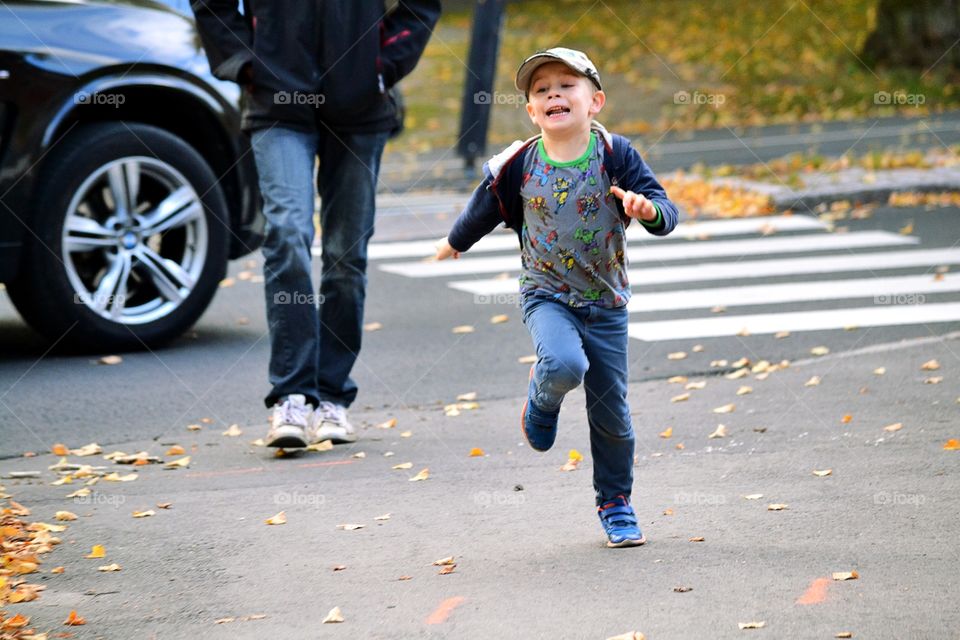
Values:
[(576, 60)]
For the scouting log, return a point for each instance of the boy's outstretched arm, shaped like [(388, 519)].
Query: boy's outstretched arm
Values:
[(479, 217), (640, 189)]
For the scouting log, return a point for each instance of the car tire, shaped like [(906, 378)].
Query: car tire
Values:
[(128, 242)]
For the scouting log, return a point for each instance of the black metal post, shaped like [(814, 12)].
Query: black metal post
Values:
[(478, 87)]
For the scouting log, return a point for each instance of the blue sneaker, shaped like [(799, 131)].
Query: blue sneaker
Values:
[(539, 427), (620, 523)]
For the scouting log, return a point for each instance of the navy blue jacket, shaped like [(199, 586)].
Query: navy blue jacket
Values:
[(497, 199)]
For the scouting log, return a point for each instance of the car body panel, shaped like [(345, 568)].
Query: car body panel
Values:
[(65, 63)]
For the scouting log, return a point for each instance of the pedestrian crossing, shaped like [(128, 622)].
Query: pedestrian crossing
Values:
[(809, 266)]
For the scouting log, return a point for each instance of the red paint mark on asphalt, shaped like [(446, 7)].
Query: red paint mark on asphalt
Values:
[(442, 612), (234, 472), (815, 593)]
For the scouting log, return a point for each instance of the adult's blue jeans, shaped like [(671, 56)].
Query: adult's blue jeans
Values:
[(587, 345), (315, 339)]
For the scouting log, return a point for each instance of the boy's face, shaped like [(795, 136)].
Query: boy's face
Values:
[(561, 100)]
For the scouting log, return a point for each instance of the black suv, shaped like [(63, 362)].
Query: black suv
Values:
[(125, 182)]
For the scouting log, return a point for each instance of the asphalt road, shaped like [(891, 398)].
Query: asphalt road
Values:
[(415, 361)]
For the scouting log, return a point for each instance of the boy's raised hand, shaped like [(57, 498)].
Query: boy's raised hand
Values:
[(444, 250), (635, 205)]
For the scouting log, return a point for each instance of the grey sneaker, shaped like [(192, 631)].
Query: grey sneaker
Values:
[(332, 424), (291, 419)]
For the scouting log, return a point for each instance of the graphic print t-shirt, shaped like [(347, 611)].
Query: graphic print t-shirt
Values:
[(573, 236)]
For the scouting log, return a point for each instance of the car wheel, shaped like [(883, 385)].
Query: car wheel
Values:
[(129, 239)]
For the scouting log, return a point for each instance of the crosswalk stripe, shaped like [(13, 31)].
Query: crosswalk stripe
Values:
[(873, 316), (904, 287), (685, 230), (711, 271), (664, 253)]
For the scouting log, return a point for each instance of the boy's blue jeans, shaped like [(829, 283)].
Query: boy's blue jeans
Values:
[(315, 340), (587, 345)]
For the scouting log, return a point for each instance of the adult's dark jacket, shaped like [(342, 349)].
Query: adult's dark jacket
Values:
[(316, 63)]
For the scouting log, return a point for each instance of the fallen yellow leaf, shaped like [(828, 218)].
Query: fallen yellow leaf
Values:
[(629, 635), (423, 475), (776, 506), (821, 473), (280, 518), (109, 567), (406, 434), (388, 424), (500, 319), (91, 449), (325, 445), (73, 620), (109, 360), (751, 625), (698, 539), (677, 380), (233, 431), (845, 575), (350, 527), (385, 516), (144, 514), (403, 465), (683, 397), (896, 426), (695, 386), (467, 397), (335, 615), (952, 445), (879, 371), (178, 463), (820, 351), (59, 450), (64, 516), (719, 432), (527, 359), (463, 328), (933, 380), (176, 450), (372, 326), (677, 355), (812, 382), (846, 419), (753, 496), (667, 432), (744, 390), (97, 552), (476, 452)]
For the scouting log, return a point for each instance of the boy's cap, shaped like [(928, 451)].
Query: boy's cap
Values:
[(576, 60)]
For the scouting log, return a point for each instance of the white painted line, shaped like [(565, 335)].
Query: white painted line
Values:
[(685, 231), (709, 271), (665, 253), (873, 316), (902, 290)]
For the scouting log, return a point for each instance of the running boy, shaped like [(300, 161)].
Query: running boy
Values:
[(569, 193)]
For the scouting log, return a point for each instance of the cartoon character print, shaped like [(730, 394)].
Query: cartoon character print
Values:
[(593, 295), (541, 172), (543, 266), (561, 189), (613, 233), (549, 240), (589, 239), (588, 206), (538, 205), (586, 173), (615, 263), (568, 258)]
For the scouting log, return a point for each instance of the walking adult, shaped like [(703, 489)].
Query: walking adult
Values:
[(317, 76)]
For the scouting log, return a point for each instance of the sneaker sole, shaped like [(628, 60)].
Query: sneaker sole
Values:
[(339, 438), (288, 438), (627, 543)]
